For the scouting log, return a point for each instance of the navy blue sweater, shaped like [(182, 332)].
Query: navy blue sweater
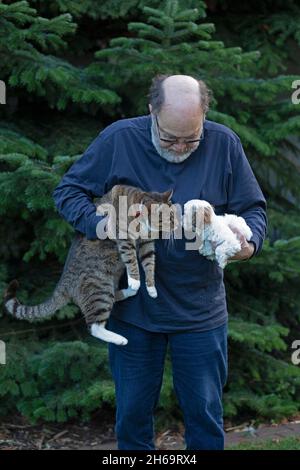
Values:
[(191, 292)]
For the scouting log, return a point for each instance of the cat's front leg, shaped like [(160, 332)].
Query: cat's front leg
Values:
[(123, 294), (147, 258), (127, 250)]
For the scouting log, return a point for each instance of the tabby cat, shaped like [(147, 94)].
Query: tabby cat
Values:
[(94, 267)]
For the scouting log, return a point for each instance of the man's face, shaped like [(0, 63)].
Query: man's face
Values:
[(173, 136)]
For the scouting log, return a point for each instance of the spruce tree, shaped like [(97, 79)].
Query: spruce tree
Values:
[(73, 67)]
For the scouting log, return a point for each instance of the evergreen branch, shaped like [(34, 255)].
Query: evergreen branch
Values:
[(40, 328)]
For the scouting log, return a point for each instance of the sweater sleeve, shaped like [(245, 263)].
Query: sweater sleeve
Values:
[(84, 180), (245, 197)]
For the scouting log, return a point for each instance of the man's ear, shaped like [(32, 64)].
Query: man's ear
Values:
[(150, 107)]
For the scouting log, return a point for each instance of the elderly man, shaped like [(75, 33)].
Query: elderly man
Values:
[(172, 147)]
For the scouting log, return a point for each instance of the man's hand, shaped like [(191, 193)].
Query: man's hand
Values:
[(247, 248)]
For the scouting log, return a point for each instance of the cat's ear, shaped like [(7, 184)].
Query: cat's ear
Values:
[(168, 194)]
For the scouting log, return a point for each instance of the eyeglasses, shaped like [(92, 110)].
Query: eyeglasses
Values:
[(175, 141)]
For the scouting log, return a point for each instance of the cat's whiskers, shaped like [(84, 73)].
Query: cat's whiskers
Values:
[(171, 240)]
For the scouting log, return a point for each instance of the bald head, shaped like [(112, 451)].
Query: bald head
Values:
[(181, 92), (178, 104), (171, 90), (182, 105)]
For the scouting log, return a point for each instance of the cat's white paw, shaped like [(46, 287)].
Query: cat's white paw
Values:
[(128, 292), (152, 291), (133, 284), (98, 331)]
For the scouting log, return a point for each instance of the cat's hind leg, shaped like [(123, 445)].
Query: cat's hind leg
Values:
[(96, 305), (99, 331)]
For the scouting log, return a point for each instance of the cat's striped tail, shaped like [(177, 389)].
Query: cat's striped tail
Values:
[(33, 312)]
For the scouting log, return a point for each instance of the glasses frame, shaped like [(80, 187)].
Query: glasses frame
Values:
[(175, 141)]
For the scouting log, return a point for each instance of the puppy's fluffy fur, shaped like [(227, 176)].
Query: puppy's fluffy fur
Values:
[(217, 240)]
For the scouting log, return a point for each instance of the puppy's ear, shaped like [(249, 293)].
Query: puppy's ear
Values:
[(208, 214)]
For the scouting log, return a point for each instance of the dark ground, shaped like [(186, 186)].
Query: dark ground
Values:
[(16, 434)]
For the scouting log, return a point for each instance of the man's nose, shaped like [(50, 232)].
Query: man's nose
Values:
[(179, 147)]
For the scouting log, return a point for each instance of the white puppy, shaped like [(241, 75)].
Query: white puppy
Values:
[(217, 240)]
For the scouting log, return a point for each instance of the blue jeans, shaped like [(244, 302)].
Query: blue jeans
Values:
[(199, 366)]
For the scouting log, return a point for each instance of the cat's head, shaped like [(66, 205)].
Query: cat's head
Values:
[(148, 211)]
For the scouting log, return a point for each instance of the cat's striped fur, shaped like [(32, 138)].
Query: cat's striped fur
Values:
[(94, 267)]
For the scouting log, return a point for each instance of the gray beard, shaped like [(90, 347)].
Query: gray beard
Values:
[(164, 153)]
